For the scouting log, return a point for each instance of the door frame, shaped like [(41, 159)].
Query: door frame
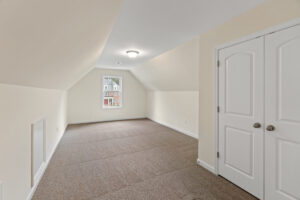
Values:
[(262, 33)]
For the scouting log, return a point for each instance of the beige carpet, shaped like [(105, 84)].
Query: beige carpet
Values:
[(130, 160)]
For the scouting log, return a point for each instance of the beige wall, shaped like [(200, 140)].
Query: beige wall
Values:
[(85, 98), (54, 45), (268, 14), (172, 82), (176, 109), (19, 108), (176, 69)]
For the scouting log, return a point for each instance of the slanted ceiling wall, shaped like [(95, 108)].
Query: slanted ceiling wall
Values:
[(172, 85), (51, 44), (268, 14), (173, 70)]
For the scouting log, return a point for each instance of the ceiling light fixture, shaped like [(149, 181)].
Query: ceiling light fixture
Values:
[(132, 53)]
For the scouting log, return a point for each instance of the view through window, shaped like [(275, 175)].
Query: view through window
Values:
[(112, 92)]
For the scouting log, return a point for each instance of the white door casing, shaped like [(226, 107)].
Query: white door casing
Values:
[(241, 101), (282, 146)]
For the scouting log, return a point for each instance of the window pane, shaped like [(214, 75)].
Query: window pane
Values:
[(112, 90)]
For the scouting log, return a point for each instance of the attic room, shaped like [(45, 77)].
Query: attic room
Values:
[(156, 100)]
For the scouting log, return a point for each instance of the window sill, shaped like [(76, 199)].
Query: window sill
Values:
[(111, 107)]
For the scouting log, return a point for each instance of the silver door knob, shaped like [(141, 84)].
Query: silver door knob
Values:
[(270, 128), (256, 125)]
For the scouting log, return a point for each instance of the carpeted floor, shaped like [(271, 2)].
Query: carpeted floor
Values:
[(130, 160)]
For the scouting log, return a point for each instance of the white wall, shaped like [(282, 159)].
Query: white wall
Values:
[(176, 109), (19, 108), (270, 13), (85, 98)]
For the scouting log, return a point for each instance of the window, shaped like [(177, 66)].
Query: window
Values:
[(112, 92)]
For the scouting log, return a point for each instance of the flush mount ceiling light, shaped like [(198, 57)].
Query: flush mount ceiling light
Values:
[(132, 53)]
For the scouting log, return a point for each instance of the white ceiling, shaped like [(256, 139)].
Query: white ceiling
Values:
[(155, 26)]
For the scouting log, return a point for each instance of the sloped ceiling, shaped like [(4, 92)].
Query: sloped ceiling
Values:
[(177, 69), (156, 26), (52, 43)]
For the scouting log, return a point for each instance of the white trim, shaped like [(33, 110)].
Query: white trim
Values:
[(39, 174), (206, 166), (188, 133), (124, 68), (263, 33), (44, 167), (36, 177), (1, 190), (108, 120), (216, 117), (111, 107)]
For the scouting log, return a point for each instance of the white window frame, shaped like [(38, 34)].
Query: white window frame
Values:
[(120, 92)]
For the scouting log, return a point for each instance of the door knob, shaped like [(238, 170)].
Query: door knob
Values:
[(256, 125), (270, 128)]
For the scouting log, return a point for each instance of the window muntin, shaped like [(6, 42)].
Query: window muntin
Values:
[(112, 91)]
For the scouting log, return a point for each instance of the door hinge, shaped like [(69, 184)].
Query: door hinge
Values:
[(218, 63), (218, 155), (218, 109)]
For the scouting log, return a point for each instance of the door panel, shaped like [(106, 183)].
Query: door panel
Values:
[(288, 153), (288, 72), (239, 96), (241, 99), (282, 146), (238, 150)]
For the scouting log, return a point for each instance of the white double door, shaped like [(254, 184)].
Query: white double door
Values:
[(259, 118)]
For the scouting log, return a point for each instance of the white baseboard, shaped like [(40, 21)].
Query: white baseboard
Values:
[(1, 191), (109, 120), (206, 166), (43, 168), (39, 173), (189, 133)]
